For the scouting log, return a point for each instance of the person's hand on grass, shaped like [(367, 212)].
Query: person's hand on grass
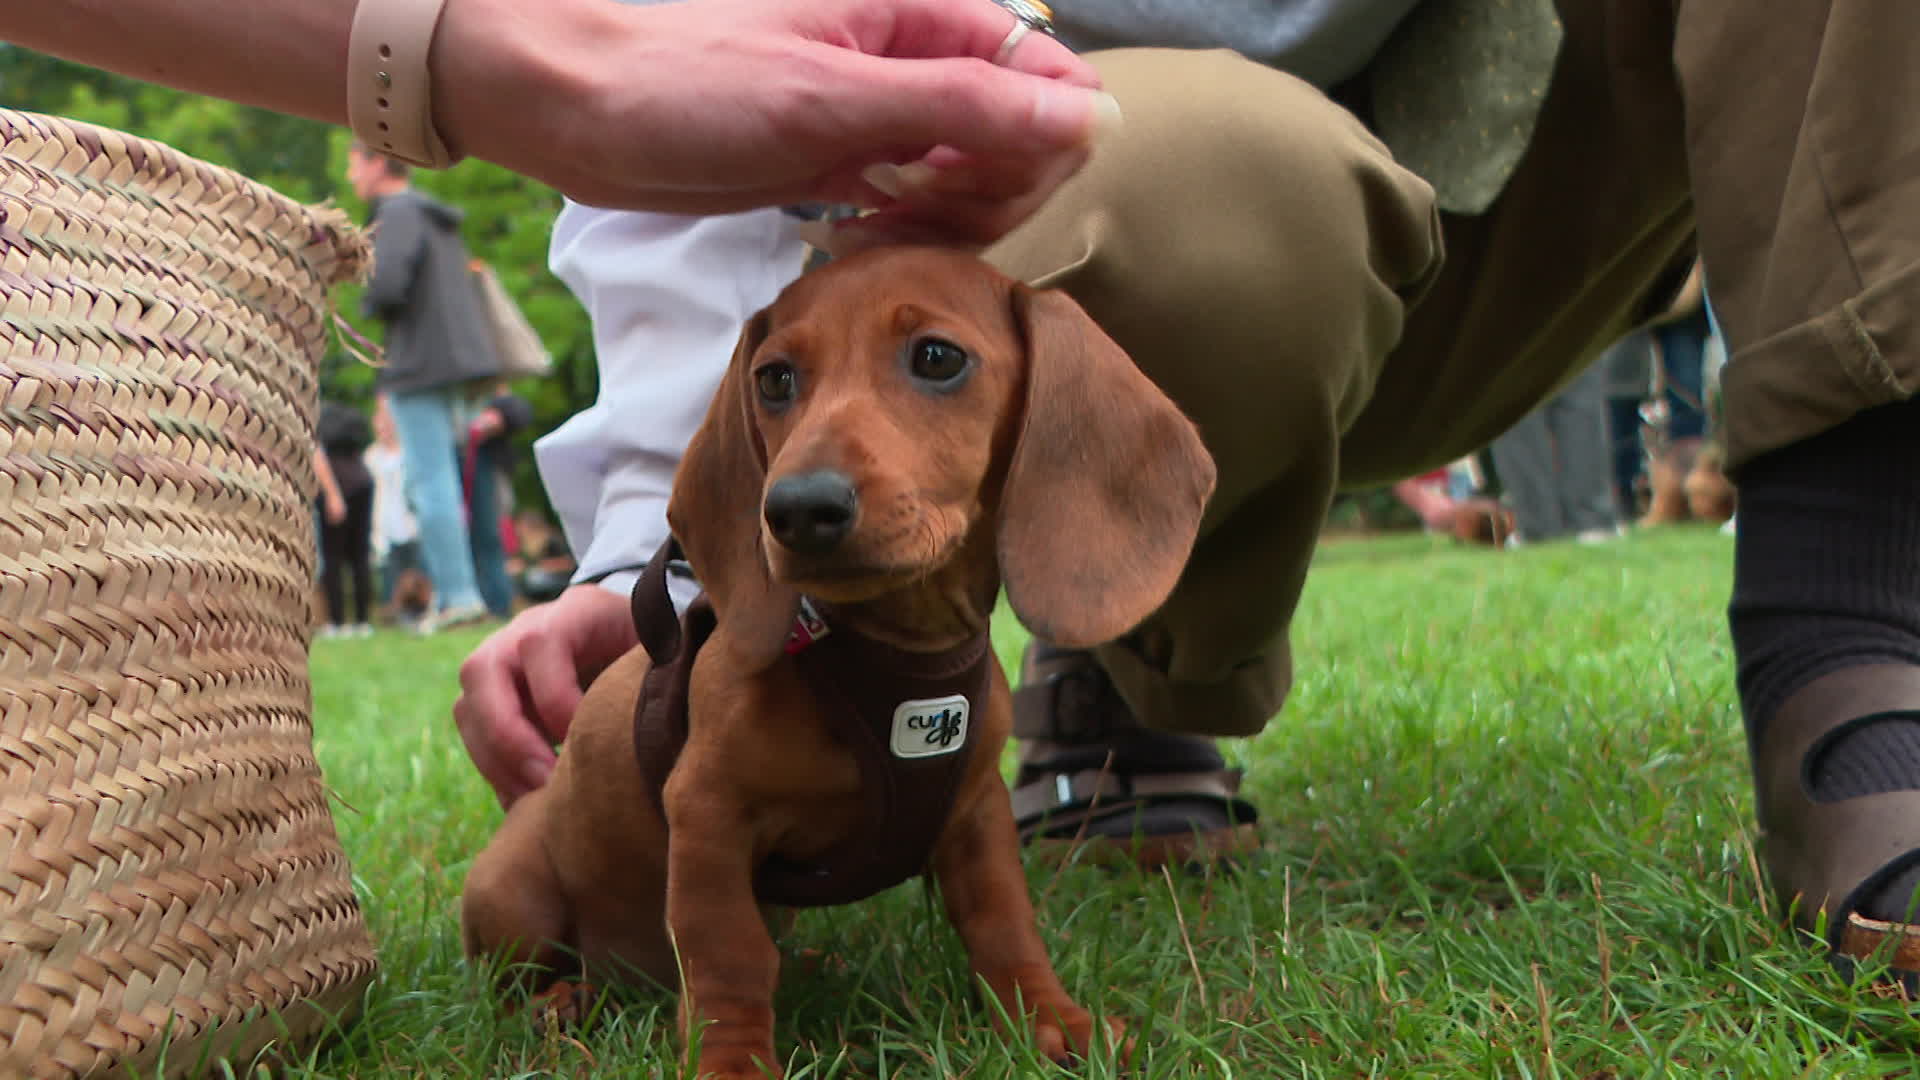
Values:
[(518, 690)]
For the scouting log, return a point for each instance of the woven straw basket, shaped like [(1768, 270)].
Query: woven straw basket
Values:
[(171, 885)]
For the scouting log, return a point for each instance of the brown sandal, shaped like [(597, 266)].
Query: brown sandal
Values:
[(1111, 790), (1832, 855)]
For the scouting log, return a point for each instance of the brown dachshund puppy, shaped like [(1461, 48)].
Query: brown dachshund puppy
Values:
[(898, 435)]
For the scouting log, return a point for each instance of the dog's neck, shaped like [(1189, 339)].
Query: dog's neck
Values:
[(932, 614)]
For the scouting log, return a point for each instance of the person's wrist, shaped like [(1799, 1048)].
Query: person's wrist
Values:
[(606, 609), (499, 69)]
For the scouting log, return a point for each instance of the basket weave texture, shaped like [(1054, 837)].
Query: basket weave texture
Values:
[(171, 884)]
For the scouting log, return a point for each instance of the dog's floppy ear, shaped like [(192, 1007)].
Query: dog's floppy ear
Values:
[(715, 513), (1108, 479)]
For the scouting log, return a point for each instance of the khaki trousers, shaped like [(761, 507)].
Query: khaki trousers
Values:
[(1263, 259)]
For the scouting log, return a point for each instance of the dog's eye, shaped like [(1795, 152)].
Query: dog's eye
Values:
[(776, 383), (938, 361)]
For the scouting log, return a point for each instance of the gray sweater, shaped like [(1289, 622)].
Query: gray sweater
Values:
[(1321, 41), (422, 290)]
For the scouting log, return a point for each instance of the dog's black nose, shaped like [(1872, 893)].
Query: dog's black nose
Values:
[(811, 512)]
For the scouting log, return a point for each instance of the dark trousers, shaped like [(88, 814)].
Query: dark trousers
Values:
[(346, 550), (481, 483), (1555, 463), (1264, 260)]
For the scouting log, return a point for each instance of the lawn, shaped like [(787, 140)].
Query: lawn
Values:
[(1507, 827)]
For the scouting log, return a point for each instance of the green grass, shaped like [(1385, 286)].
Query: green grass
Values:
[(1508, 833)]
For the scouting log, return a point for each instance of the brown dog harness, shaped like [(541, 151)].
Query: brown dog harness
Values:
[(906, 717)]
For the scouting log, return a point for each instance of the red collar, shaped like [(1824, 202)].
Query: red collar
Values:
[(808, 627)]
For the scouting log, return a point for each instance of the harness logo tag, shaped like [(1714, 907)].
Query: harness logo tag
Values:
[(930, 726)]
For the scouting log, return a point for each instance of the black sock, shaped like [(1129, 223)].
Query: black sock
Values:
[(1827, 563), (1827, 576)]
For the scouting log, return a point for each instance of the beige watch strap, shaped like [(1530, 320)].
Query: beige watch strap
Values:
[(389, 89)]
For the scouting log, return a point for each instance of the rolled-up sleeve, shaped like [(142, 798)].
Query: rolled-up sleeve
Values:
[(667, 296)]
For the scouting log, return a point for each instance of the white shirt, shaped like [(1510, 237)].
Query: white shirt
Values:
[(668, 296), (393, 521)]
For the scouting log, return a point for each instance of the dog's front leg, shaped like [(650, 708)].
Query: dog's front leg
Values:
[(728, 963), (977, 866)]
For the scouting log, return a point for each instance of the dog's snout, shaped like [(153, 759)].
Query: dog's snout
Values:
[(812, 512)]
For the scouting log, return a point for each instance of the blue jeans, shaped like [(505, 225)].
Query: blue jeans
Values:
[(489, 553), (431, 431), (1683, 348)]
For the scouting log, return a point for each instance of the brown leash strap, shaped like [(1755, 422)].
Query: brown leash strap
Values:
[(660, 715), (654, 619)]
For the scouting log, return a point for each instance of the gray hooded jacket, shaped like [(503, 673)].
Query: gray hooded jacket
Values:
[(422, 290)]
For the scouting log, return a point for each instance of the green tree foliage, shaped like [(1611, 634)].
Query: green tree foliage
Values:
[(508, 217)]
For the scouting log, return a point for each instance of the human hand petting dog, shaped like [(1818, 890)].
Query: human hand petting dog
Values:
[(840, 91), (899, 437), (701, 107)]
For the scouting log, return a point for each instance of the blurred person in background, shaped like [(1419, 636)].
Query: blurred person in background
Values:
[(437, 350), (346, 529), (488, 460), (396, 535)]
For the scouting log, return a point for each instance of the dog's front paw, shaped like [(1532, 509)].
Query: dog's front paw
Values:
[(566, 1003), (729, 1036), (738, 1067), (729, 1053), (1064, 1033)]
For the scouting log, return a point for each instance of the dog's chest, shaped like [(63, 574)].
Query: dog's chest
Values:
[(907, 719)]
